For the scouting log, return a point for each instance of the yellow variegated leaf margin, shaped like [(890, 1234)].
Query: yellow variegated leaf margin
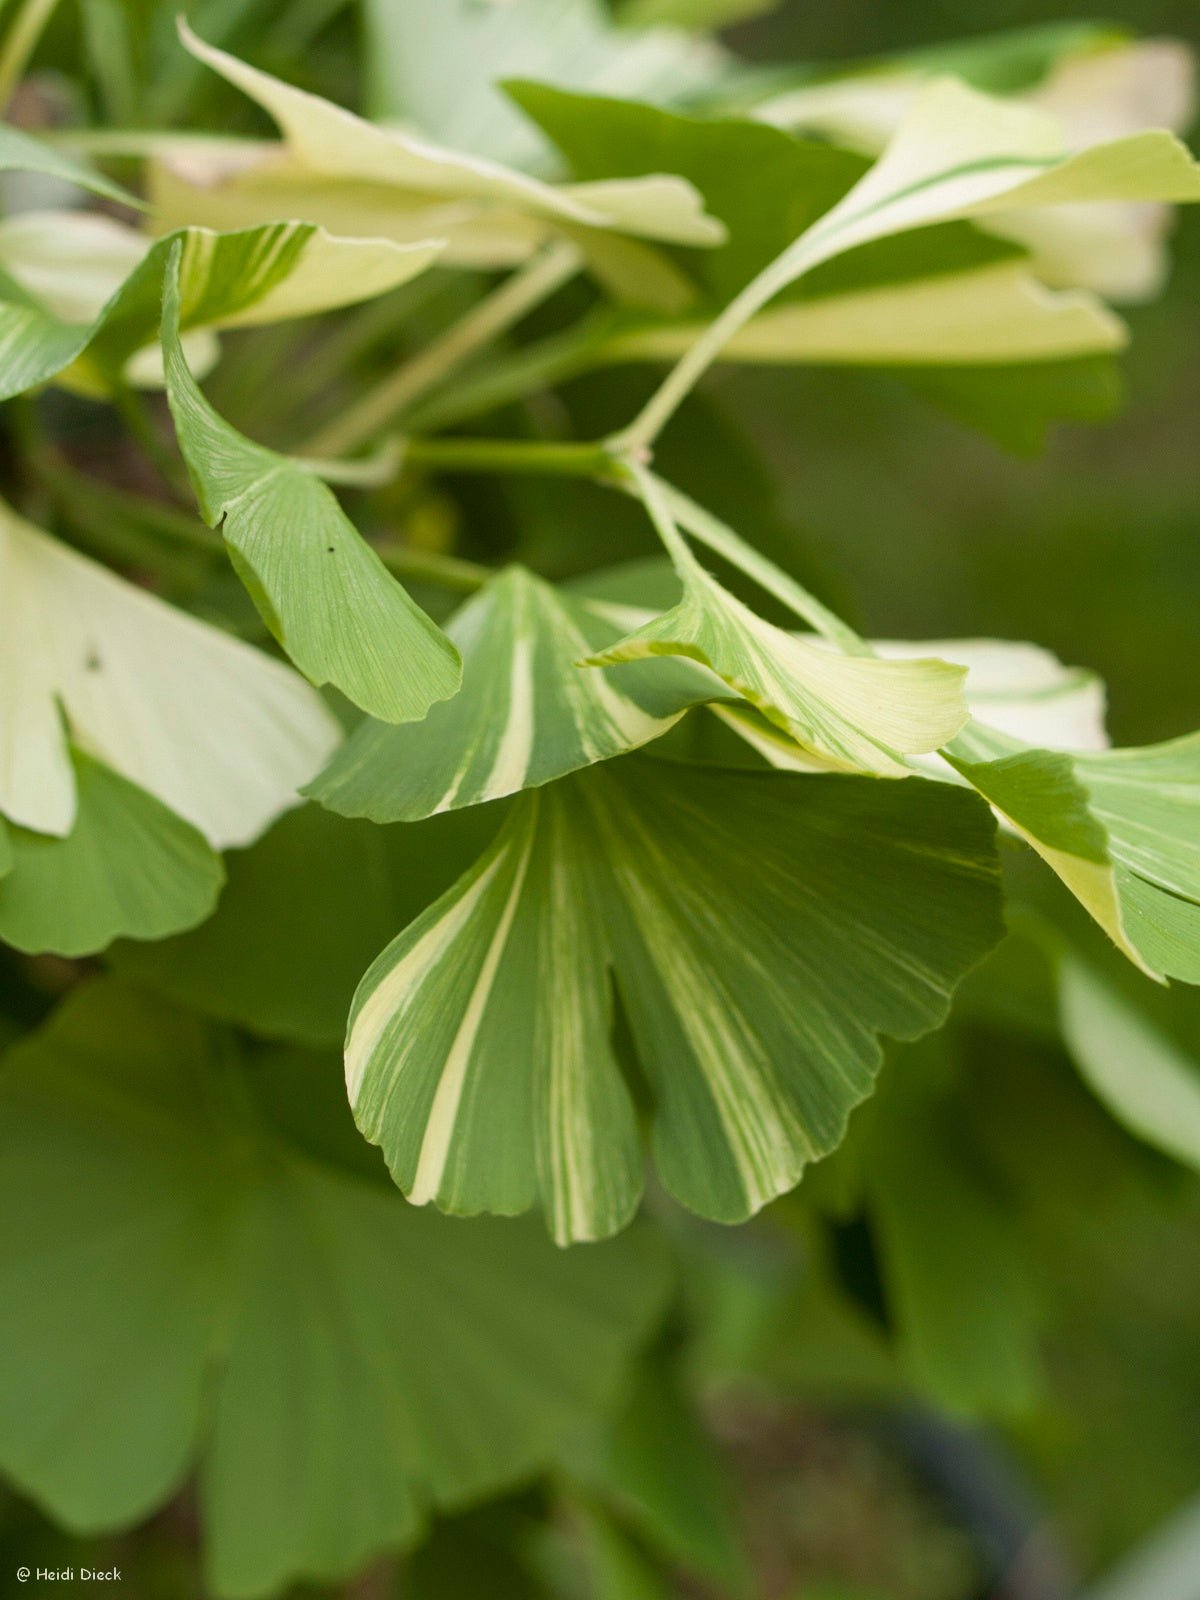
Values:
[(328, 142), (1121, 828), (323, 592), (527, 712), (214, 729), (261, 274), (854, 712), (763, 930)]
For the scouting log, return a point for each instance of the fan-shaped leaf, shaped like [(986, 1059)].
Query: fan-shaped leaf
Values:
[(129, 867), (321, 589), (763, 931), (853, 711), (213, 728), (177, 1274), (527, 713), (1120, 827)]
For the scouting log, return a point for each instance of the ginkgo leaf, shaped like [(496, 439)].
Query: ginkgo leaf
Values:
[(321, 589), (1121, 828), (527, 713), (1020, 689), (957, 155), (962, 154), (128, 868), (21, 152), (305, 910), (996, 313), (326, 142), (763, 929), (1141, 1074), (51, 318), (213, 728), (1098, 88), (229, 1290), (855, 712)]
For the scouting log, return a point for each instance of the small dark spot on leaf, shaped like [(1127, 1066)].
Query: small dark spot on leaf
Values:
[(92, 662), (329, 548)]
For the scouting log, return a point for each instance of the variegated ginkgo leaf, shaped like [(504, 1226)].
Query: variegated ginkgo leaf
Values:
[(1103, 90), (957, 155), (962, 154), (321, 589), (1121, 828), (81, 296), (1017, 689), (130, 867), (341, 169), (994, 313), (527, 712), (763, 930), (216, 730), (852, 711)]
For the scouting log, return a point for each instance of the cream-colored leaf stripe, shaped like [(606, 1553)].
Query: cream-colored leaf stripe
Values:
[(215, 729), (528, 711), (762, 932), (853, 712)]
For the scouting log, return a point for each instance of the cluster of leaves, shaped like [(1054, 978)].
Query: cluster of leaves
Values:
[(614, 860)]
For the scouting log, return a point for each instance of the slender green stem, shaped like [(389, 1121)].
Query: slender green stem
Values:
[(20, 42), (721, 539), (638, 438), (448, 572), (484, 323), (512, 455), (514, 375)]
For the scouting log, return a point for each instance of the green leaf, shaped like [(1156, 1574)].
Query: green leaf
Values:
[(1143, 1077), (763, 931), (794, 182), (20, 152), (854, 712), (959, 1289), (321, 589), (1119, 827), (103, 314), (129, 867), (659, 1466), (305, 911), (527, 713), (214, 729), (179, 1276)]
